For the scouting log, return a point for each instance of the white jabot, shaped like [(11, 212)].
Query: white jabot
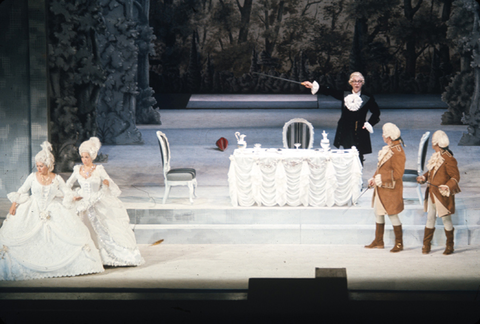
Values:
[(353, 101), (435, 161)]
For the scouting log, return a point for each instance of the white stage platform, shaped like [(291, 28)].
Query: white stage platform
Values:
[(213, 220), (212, 245)]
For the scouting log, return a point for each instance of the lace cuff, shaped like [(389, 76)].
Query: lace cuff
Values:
[(113, 189), (369, 127), (19, 198), (315, 87), (444, 190), (68, 199)]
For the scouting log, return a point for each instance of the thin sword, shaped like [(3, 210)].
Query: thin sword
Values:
[(274, 77), (432, 184), (364, 191), (361, 194)]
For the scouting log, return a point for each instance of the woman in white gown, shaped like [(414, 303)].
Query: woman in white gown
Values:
[(41, 237), (101, 210)]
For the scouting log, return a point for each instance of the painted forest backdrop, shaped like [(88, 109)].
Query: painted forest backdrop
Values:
[(112, 63), (401, 46)]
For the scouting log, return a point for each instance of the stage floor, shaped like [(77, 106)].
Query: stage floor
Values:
[(192, 135), (229, 266)]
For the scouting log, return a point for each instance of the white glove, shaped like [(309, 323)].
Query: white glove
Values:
[(444, 190), (368, 127), (315, 87), (378, 180)]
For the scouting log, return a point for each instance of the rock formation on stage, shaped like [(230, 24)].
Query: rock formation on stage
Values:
[(75, 76), (119, 53), (458, 94), (99, 74)]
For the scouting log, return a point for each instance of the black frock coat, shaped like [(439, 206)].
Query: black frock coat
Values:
[(350, 131)]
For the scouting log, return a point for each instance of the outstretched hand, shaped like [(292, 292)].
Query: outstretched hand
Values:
[(307, 84), (421, 179)]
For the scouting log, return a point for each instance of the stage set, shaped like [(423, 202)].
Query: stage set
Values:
[(256, 243), (211, 250)]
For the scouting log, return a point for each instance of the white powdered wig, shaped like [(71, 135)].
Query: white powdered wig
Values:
[(92, 146), (392, 131), (356, 74), (441, 139), (45, 156)]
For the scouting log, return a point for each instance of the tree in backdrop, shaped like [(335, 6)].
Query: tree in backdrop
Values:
[(173, 23), (119, 58), (472, 42), (313, 38), (76, 76), (145, 113), (458, 94)]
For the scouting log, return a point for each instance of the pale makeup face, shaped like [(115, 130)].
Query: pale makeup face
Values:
[(356, 82), (86, 159), (42, 168)]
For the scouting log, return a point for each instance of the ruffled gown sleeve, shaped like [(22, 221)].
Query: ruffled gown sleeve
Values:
[(67, 192), (22, 195), (112, 186), (73, 177)]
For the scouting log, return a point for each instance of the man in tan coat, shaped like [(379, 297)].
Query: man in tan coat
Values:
[(442, 178), (387, 182)]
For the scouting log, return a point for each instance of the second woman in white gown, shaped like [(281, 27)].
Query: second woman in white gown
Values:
[(101, 210)]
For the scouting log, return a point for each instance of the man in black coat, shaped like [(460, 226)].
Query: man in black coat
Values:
[(352, 128)]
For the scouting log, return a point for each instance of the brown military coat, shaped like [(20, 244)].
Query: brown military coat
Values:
[(447, 174), (391, 169)]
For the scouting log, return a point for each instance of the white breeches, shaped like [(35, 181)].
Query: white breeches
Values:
[(394, 219), (432, 217)]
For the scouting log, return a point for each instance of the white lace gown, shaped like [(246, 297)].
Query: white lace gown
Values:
[(45, 238), (106, 218)]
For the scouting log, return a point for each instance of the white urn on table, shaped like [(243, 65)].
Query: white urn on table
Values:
[(241, 143), (325, 143)]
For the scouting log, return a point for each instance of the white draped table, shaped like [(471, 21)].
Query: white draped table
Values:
[(271, 177)]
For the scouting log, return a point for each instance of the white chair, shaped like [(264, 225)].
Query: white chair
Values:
[(298, 130), (410, 175), (175, 177)]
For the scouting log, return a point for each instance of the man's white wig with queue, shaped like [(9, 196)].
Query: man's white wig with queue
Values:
[(45, 156), (441, 139), (91, 147), (392, 131)]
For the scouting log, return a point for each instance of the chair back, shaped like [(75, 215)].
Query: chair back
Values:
[(298, 130), (164, 151), (422, 152)]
